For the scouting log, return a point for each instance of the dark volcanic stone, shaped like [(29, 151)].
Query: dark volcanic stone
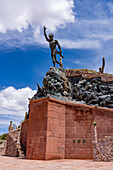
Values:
[(94, 92), (55, 83)]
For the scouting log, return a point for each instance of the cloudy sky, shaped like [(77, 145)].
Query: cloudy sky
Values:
[(84, 28)]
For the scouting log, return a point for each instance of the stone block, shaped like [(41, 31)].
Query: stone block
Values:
[(109, 129)]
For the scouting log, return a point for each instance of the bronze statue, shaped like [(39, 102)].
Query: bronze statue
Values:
[(53, 43)]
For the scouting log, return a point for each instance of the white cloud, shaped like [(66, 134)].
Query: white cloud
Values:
[(22, 21), (14, 102), (91, 29), (80, 43), (96, 29), (19, 14), (83, 34)]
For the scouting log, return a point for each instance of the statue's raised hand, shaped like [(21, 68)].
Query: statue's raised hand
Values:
[(45, 28)]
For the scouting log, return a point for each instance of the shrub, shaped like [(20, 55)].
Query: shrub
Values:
[(4, 136)]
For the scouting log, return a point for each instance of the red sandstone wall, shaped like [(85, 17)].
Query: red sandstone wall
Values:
[(23, 135), (36, 141), (78, 132), (55, 146), (79, 129), (65, 130), (104, 119), (46, 130)]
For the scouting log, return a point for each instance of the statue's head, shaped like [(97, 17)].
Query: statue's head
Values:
[(51, 36)]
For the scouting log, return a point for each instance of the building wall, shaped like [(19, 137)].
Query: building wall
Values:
[(46, 130), (55, 144), (79, 129), (23, 135), (78, 132), (60, 129), (37, 128), (104, 119)]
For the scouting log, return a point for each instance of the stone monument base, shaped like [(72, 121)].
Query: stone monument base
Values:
[(58, 129)]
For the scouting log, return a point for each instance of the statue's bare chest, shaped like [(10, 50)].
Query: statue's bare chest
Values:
[(52, 44)]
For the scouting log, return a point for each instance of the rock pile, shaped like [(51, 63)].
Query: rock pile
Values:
[(94, 91), (86, 91), (103, 150), (55, 83)]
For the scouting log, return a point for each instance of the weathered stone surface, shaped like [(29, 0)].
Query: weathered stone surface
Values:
[(2, 147), (75, 74), (59, 129), (76, 88), (23, 135), (13, 146), (55, 83), (103, 149), (94, 91)]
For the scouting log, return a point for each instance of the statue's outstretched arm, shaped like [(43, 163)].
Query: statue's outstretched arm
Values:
[(45, 34)]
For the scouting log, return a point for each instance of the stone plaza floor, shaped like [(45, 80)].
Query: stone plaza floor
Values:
[(16, 163)]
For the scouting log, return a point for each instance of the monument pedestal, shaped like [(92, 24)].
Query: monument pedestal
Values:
[(58, 129), (46, 130)]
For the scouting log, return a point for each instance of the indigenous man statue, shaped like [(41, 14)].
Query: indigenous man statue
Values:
[(53, 44)]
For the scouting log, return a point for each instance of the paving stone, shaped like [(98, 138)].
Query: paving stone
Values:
[(11, 163)]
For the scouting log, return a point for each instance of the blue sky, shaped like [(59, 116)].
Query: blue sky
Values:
[(84, 28)]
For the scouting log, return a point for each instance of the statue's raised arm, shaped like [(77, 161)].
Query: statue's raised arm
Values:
[(46, 34)]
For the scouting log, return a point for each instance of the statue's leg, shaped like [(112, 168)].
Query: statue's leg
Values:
[(53, 59), (57, 62), (60, 63), (56, 52)]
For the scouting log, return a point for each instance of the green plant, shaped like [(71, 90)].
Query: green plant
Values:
[(23, 121), (4, 136)]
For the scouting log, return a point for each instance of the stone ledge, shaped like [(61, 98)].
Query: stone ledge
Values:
[(70, 103)]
